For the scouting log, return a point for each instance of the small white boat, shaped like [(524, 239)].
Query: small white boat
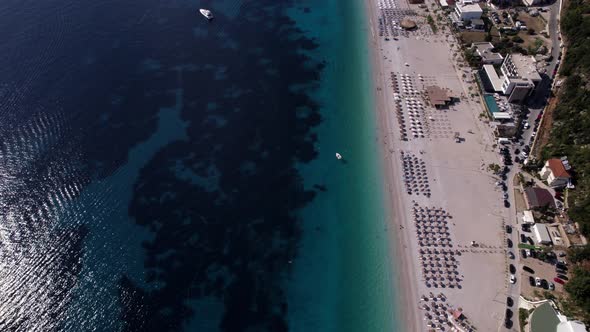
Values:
[(338, 156), (207, 13)]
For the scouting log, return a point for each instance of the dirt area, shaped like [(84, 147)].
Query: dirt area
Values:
[(533, 40), (469, 37), (542, 270), (536, 23), (519, 201), (544, 128), (515, 180)]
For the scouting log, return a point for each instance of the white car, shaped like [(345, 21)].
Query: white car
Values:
[(512, 279), (538, 282)]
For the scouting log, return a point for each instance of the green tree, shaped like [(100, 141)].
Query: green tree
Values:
[(579, 287), (578, 254)]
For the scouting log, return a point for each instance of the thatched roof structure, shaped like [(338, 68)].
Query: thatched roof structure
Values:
[(408, 24)]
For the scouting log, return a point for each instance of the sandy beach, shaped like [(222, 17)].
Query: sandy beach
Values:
[(440, 271)]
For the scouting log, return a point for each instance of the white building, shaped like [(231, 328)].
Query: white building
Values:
[(530, 3), (541, 234), (468, 11), (484, 51), (520, 77), (571, 326), (555, 173), (518, 74), (527, 217)]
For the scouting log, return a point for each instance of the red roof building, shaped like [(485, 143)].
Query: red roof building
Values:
[(555, 173)]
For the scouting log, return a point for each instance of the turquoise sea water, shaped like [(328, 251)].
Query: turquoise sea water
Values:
[(160, 172), (343, 278)]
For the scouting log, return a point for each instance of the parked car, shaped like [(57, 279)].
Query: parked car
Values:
[(559, 281), (510, 255), (509, 313), (512, 279), (528, 269), (561, 276), (512, 269), (506, 204), (509, 242), (551, 286), (544, 284), (523, 253), (509, 301), (508, 229), (537, 281), (532, 281), (522, 238)]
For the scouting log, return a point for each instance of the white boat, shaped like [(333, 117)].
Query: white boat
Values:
[(207, 13), (338, 156)]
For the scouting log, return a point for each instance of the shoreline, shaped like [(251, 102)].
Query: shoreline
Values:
[(402, 271)]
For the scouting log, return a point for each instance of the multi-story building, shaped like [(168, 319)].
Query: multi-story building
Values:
[(467, 10), (519, 77)]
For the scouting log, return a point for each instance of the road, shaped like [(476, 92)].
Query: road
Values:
[(536, 104), (513, 290), (543, 91)]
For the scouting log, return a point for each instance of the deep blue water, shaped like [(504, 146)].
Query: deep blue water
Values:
[(154, 166)]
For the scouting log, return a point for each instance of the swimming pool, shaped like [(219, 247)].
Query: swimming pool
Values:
[(491, 104)]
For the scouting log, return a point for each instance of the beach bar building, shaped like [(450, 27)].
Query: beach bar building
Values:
[(439, 97)]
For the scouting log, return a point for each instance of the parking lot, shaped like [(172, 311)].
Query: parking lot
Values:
[(542, 270)]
